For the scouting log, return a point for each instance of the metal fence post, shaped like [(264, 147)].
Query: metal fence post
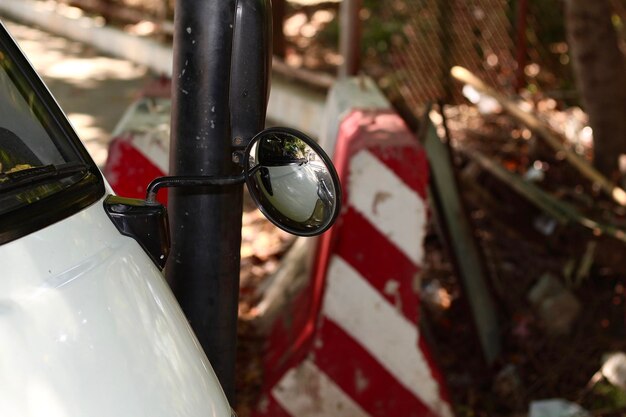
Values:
[(521, 44), (350, 37)]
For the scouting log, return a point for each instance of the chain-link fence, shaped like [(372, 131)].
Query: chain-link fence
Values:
[(510, 44), (439, 34)]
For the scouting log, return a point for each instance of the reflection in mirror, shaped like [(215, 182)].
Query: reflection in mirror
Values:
[(292, 181)]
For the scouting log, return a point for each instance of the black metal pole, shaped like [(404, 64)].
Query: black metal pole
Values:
[(205, 222)]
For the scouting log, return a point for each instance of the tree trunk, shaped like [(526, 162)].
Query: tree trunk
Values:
[(600, 71)]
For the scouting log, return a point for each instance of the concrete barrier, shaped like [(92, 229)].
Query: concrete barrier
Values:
[(348, 343)]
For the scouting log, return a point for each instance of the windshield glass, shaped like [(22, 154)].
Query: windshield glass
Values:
[(23, 139), (36, 157)]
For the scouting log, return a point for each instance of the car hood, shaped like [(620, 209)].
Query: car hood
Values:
[(89, 327)]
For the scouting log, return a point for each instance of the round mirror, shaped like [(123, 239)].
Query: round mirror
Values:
[(292, 181)]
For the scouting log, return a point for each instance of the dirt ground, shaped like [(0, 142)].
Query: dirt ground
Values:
[(539, 360)]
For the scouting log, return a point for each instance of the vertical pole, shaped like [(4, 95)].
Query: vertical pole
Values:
[(446, 46), (522, 18), (279, 9), (350, 37), (205, 222)]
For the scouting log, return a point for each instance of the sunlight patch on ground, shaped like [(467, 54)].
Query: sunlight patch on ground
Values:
[(98, 151), (93, 137), (98, 68)]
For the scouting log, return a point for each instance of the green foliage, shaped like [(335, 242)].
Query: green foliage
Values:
[(383, 25), (606, 397)]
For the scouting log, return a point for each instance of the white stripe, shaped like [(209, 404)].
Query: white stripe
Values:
[(305, 391), (355, 306), (388, 204), (155, 146)]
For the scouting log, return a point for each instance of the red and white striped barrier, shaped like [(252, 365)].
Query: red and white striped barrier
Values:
[(349, 344), (139, 151)]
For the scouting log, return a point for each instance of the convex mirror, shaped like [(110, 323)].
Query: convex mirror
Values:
[(292, 181)]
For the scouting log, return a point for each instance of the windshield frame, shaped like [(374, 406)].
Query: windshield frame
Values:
[(87, 188)]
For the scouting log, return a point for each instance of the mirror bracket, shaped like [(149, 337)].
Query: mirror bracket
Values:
[(190, 181)]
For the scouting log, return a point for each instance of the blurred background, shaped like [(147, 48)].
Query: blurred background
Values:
[(543, 194)]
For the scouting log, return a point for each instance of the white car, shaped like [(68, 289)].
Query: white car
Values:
[(88, 325)]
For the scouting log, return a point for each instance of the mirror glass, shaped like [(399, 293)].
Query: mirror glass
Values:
[(292, 181)]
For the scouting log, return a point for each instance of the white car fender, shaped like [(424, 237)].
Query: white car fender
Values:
[(90, 328)]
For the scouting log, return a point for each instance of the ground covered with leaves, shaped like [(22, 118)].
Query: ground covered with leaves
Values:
[(542, 356)]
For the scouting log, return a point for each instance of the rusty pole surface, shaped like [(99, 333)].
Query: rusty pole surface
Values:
[(350, 37)]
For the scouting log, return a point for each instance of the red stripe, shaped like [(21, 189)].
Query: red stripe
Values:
[(380, 262), (384, 134), (129, 172), (288, 340), (363, 378), (409, 163)]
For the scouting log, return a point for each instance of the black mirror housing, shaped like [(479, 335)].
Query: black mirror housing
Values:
[(292, 181)]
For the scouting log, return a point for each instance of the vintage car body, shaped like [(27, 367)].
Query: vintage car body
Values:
[(88, 325)]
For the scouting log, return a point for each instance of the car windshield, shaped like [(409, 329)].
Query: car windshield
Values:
[(24, 141), (36, 157)]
